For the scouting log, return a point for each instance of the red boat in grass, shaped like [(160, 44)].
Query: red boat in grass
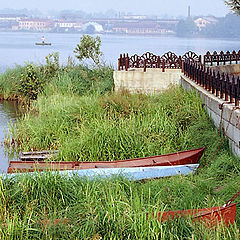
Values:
[(208, 216), (178, 158)]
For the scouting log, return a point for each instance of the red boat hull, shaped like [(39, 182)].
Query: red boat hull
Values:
[(209, 216), (179, 158)]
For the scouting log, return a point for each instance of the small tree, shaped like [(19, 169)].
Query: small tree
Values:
[(30, 83), (234, 5), (89, 48), (52, 65)]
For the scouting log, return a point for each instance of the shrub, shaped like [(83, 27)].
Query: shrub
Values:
[(30, 83)]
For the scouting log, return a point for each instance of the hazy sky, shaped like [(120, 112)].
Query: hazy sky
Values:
[(157, 7)]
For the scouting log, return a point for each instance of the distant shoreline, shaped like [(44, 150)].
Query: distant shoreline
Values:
[(129, 35)]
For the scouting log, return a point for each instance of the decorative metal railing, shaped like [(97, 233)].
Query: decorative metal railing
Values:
[(221, 84), (150, 60), (171, 60), (221, 58)]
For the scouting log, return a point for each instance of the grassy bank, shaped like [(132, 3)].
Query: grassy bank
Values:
[(24, 83), (77, 113), (113, 126), (110, 209)]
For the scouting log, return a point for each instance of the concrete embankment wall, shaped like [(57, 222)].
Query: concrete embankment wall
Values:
[(218, 109), (151, 81), (154, 81)]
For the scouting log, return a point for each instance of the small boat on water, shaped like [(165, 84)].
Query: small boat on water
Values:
[(180, 158), (43, 43)]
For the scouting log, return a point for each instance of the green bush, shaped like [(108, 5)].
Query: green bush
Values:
[(52, 66), (30, 83)]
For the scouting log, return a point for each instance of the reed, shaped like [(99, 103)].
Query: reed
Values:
[(104, 209), (76, 79), (78, 114), (113, 126)]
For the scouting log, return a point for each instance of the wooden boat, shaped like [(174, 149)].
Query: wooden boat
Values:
[(38, 155), (209, 216), (134, 173), (43, 44), (179, 158)]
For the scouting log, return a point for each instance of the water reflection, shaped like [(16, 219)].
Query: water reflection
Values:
[(8, 114)]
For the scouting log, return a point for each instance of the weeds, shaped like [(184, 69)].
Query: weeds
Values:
[(52, 206), (78, 114)]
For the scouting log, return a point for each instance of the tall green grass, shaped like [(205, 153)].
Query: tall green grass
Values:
[(69, 79), (115, 125), (9, 82), (79, 114), (104, 209)]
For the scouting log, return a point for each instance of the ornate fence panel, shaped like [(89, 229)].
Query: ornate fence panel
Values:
[(222, 85), (135, 62), (150, 60), (192, 57), (171, 60), (221, 58)]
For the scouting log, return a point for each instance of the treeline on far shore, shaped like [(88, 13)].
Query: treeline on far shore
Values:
[(226, 27)]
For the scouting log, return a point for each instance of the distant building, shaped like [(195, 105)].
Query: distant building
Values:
[(68, 25), (142, 27), (136, 17), (36, 24), (10, 21), (202, 22), (7, 25), (65, 24), (98, 28), (12, 17)]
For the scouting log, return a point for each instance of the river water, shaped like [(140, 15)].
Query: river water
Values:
[(18, 48), (8, 115)]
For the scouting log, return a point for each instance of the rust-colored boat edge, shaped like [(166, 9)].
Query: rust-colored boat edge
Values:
[(178, 158), (211, 217), (208, 216)]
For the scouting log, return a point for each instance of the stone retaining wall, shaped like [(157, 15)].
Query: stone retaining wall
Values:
[(217, 108), (151, 81)]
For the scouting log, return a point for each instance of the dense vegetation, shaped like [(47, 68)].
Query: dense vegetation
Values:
[(76, 111), (226, 27)]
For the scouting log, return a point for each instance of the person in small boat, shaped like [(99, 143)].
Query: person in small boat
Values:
[(43, 39)]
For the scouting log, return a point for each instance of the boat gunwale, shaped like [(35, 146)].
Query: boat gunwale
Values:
[(78, 164), (195, 214)]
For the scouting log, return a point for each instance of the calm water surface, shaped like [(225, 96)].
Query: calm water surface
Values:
[(18, 48), (8, 114)]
